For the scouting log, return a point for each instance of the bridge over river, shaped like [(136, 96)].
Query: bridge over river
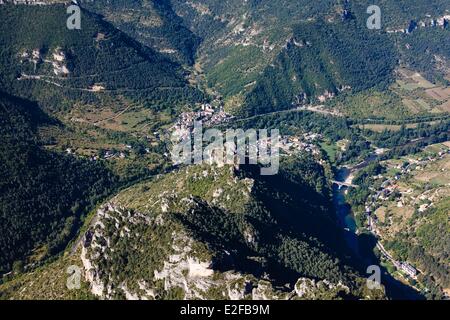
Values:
[(344, 184)]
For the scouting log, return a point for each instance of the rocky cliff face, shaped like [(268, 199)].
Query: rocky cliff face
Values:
[(196, 234), (187, 272)]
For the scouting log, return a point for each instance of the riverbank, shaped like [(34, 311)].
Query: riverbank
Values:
[(395, 289)]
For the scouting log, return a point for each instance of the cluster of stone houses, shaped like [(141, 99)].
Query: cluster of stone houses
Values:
[(305, 142), (207, 115)]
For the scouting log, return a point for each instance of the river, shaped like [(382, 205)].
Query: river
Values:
[(343, 209), (394, 289), (344, 212)]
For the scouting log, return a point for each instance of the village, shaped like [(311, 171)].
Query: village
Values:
[(210, 116), (392, 191)]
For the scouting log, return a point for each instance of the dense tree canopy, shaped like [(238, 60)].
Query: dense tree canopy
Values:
[(42, 193)]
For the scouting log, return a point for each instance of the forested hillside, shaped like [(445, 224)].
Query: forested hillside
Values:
[(257, 54), (250, 55), (320, 61), (42, 194), (85, 121), (153, 23), (398, 14), (46, 61), (428, 52)]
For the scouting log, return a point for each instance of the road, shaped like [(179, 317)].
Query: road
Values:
[(317, 109)]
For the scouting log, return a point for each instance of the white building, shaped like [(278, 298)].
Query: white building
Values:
[(409, 269)]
